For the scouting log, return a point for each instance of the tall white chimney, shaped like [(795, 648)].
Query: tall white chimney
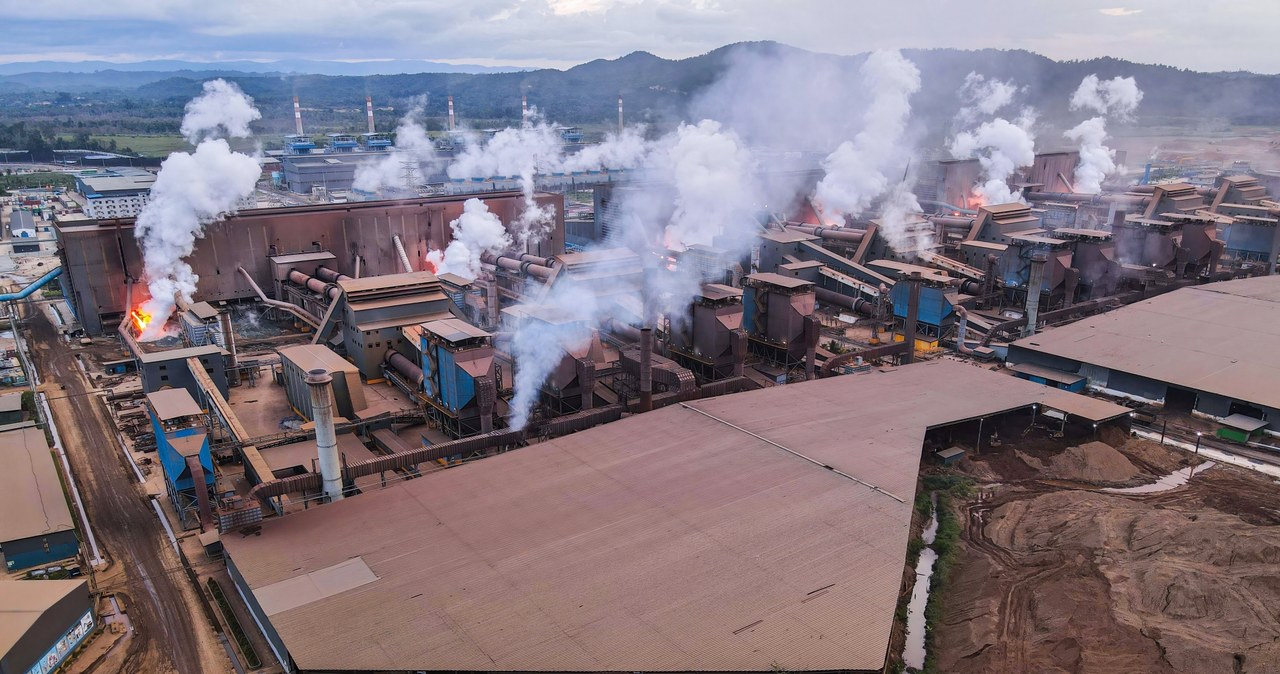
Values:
[(368, 107), (524, 109), (318, 383), (297, 115), (619, 113), (451, 113)]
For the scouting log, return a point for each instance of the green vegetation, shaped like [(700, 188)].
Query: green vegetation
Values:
[(15, 181), (147, 146), (952, 489), (237, 632)]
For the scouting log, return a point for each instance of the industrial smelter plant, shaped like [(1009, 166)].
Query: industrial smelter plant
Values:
[(671, 404)]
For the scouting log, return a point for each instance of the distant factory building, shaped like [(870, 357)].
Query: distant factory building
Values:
[(332, 172), (42, 623), (119, 192), (762, 531), (35, 524), (1206, 348)]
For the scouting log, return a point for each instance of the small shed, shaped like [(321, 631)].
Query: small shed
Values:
[(1241, 428), (10, 408), (1048, 376), (949, 456)]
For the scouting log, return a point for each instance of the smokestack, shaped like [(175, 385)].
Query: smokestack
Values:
[(297, 115), (646, 369), (619, 113), (368, 108), (962, 331), (1034, 282), (1071, 280), (229, 338), (318, 381), (524, 109), (451, 113), (811, 334), (913, 313)]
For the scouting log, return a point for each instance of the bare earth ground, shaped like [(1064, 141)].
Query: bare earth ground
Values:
[(1260, 146), (1059, 577), (171, 633)]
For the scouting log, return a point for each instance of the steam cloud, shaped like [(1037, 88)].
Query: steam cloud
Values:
[(412, 145), (1116, 98), (983, 97), (856, 171), (191, 191), (1001, 147), (475, 232)]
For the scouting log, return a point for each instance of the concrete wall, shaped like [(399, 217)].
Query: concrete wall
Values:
[(100, 255)]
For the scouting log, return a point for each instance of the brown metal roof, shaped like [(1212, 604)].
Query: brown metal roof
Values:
[(31, 501), (780, 280), (180, 354), (317, 357), (22, 603), (356, 285), (298, 258), (710, 536), (173, 403), (454, 330), (1210, 338)]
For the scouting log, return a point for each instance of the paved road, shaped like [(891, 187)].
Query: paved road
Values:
[(171, 635)]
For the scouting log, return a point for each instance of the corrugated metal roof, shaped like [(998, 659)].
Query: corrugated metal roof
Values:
[(180, 354), (1212, 338), (780, 280), (173, 403), (316, 357), (702, 537), (23, 602), (387, 281), (296, 258), (454, 330), (30, 494)]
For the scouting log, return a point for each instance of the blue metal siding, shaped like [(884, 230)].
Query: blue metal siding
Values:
[(934, 309), (749, 310), (30, 552), (175, 466)]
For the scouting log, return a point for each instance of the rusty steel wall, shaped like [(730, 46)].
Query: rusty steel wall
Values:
[(98, 258)]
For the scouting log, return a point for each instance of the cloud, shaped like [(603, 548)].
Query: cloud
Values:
[(1119, 11)]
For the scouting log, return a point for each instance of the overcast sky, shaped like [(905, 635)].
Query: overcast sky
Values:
[(1196, 34)]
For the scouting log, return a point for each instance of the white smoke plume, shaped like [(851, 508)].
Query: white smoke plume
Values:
[(191, 191), (624, 150), (983, 97), (1001, 147), (538, 346), (475, 232), (412, 145), (1116, 98), (711, 171), (856, 173)]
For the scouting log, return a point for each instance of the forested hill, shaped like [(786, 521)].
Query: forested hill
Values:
[(656, 90)]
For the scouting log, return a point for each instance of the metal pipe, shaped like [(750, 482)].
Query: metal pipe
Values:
[(646, 369), (313, 284), (404, 257), (293, 309), (331, 275), (405, 367), (537, 259), (951, 221), (359, 260), (854, 304), (515, 265), (1033, 293), (33, 286), (318, 384), (962, 331), (1075, 197), (913, 314), (831, 233), (811, 336)]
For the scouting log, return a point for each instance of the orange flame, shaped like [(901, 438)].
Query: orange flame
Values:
[(141, 319)]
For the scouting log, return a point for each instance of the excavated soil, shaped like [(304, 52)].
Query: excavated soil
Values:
[(1058, 579), (1095, 462)]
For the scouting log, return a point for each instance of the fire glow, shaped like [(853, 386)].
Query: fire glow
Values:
[(141, 319)]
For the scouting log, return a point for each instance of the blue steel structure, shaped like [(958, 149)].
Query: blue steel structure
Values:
[(182, 444), (458, 376), (936, 311)]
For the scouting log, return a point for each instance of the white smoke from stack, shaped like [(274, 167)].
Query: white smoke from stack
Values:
[(624, 150), (711, 172), (475, 232), (412, 145), (858, 172), (191, 191), (538, 347), (1116, 98), (983, 97), (1001, 147)]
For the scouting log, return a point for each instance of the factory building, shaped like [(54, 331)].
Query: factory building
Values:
[(752, 532), (42, 623), (118, 192), (182, 443), (377, 308), (35, 524), (348, 390), (303, 173), (1201, 348), (170, 369), (99, 256)]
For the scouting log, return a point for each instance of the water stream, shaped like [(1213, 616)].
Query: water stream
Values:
[(913, 649), (1173, 480)]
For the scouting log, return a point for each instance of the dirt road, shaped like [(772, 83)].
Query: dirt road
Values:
[(172, 632)]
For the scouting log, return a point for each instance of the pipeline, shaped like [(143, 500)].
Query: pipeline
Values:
[(330, 275), (646, 369), (293, 309), (33, 286), (1074, 197), (962, 331), (405, 367), (314, 284), (854, 304), (812, 334), (404, 257), (513, 264), (831, 233), (536, 259)]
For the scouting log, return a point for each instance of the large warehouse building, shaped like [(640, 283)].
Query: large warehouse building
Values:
[(100, 255), (35, 524), (1208, 348), (749, 532), (42, 623)]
